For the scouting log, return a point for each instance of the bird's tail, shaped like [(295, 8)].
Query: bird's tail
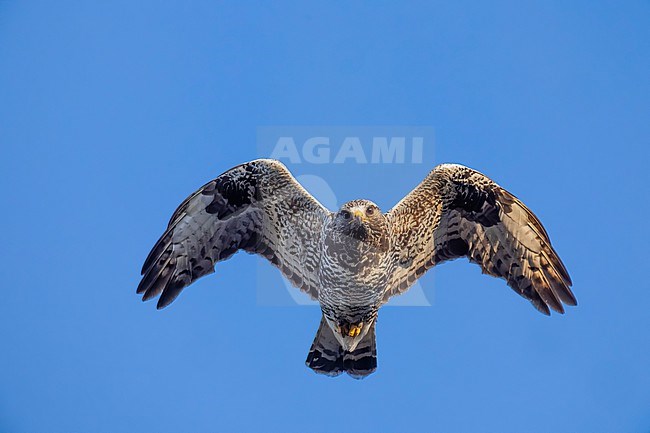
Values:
[(326, 355)]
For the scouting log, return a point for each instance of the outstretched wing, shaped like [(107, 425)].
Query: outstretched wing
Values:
[(257, 207), (459, 212)]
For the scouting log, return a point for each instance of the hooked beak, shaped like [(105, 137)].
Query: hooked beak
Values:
[(358, 214)]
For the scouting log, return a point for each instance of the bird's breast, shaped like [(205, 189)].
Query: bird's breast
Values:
[(352, 276)]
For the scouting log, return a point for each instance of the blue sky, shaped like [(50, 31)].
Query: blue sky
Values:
[(110, 114)]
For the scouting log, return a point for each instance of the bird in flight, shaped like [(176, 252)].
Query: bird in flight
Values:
[(353, 260)]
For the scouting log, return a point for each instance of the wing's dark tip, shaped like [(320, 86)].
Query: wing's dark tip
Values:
[(567, 297), (159, 248), (170, 293), (148, 296), (574, 303), (540, 305), (160, 304)]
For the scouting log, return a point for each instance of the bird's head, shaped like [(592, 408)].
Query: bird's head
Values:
[(363, 221)]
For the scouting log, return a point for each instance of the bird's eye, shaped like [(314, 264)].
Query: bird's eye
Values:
[(370, 211), (345, 214)]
